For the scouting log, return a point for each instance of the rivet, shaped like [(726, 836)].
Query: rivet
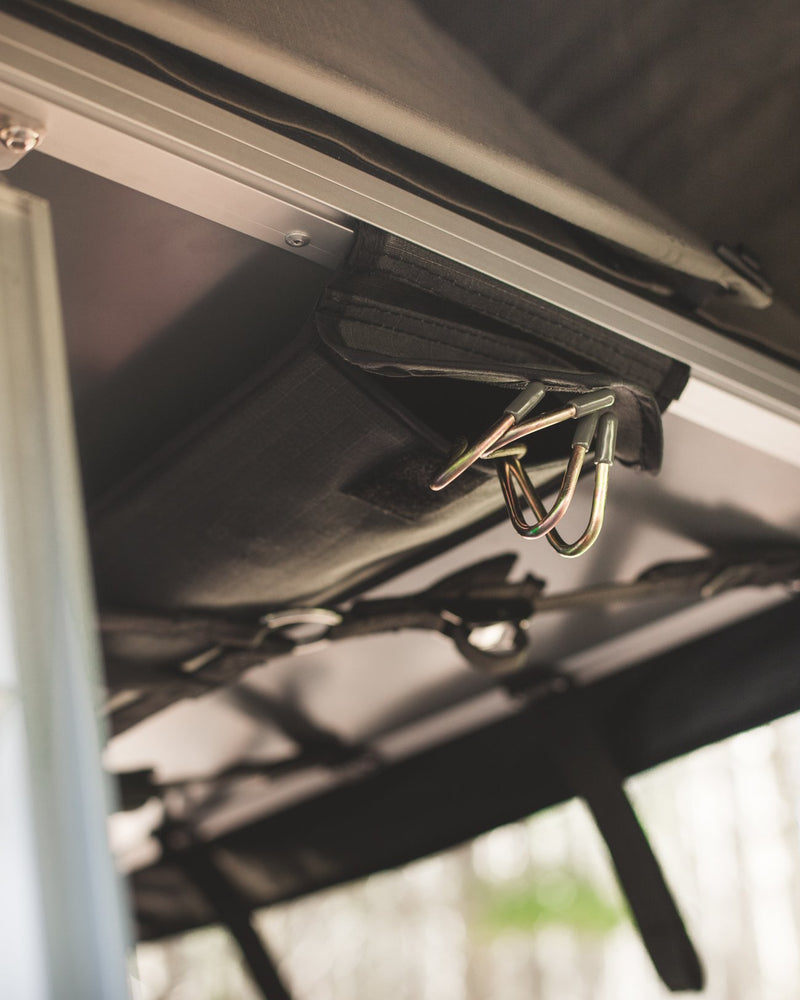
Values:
[(19, 138), (297, 238)]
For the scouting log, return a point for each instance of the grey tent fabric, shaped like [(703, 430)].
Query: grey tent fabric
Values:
[(694, 104), (386, 68)]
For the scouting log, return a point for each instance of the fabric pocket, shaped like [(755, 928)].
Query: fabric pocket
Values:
[(308, 485), (400, 311), (313, 481)]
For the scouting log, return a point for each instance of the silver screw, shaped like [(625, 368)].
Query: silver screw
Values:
[(297, 238), (19, 138)]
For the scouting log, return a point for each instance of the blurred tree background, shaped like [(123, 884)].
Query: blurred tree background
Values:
[(532, 911)]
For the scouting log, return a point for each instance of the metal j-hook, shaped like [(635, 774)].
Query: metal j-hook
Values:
[(499, 444), (512, 426), (518, 408), (510, 469)]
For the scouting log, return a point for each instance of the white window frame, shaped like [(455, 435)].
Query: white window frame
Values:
[(63, 922)]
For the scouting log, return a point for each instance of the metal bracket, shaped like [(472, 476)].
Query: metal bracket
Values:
[(745, 263)]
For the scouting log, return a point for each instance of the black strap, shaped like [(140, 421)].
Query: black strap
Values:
[(588, 766), (318, 744), (197, 863), (478, 594)]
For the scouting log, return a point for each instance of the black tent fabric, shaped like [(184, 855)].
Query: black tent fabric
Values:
[(743, 676), (695, 105), (385, 70)]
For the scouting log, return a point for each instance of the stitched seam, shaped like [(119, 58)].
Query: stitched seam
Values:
[(424, 340), (523, 313), (435, 367), (588, 343), (468, 333)]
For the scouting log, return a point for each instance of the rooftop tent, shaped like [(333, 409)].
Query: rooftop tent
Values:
[(318, 245)]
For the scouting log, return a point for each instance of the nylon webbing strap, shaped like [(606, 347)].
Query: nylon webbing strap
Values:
[(588, 766), (318, 745), (198, 864)]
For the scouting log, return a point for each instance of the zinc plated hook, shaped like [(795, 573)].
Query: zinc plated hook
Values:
[(578, 407), (517, 409), (510, 468), (512, 426), (499, 444)]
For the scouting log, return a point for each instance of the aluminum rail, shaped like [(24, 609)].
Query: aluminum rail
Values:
[(123, 125)]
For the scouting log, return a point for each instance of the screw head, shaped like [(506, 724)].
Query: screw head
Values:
[(19, 138), (297, 238)]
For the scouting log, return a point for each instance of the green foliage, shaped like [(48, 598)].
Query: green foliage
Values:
[(553, 898)]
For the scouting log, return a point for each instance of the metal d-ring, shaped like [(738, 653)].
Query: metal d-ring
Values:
[(492, 661), (604, 458), (303, 626)]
